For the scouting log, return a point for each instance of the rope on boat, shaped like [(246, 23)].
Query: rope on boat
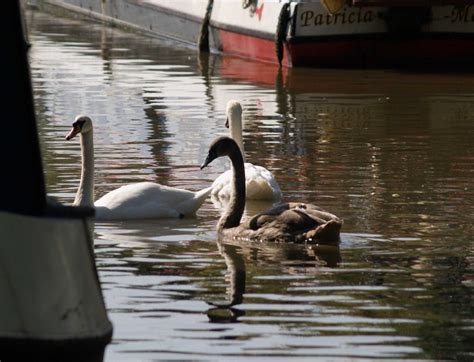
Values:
[(280, 35), (246, 3), (204, 33)]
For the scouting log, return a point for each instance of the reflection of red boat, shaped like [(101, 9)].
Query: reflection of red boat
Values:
[(335, 81), (305, 32)]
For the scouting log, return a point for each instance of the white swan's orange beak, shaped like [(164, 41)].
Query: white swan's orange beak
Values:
[(73, 132)]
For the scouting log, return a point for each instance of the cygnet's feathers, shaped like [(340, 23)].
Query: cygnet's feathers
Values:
[(290, 222)]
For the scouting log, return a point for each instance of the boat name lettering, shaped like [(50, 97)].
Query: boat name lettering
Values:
[(310, 18), (462, 14)]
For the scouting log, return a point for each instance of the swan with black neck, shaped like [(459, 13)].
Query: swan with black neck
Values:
[(288, 222)]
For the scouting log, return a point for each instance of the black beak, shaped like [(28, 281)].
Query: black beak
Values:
[(210, 157), (227, 122)]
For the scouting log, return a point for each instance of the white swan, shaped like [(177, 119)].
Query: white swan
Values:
[(259, 182), (142, 200)]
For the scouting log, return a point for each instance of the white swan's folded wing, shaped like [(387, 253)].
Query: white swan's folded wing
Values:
[(148, 200), (260, 184)]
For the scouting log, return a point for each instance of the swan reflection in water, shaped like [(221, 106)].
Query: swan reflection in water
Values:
[(237, 254)]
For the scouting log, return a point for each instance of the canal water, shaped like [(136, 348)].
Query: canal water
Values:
[(389, 151)]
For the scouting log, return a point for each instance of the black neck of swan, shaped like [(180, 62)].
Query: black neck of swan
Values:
[(235, 208)]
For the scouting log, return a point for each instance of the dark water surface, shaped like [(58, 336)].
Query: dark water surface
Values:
[(391, 152)]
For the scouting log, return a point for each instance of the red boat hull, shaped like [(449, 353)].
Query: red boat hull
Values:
[(354, 51), (250, 47), (379, 52)]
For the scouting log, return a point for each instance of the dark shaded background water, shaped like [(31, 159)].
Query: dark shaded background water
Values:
[(389, 151)]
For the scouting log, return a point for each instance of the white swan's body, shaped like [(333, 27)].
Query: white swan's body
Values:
[(143, 200), (148, 200), (260, 183)]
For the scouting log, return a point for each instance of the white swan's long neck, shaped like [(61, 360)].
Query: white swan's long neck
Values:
[(235, 125), (85, 193)]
